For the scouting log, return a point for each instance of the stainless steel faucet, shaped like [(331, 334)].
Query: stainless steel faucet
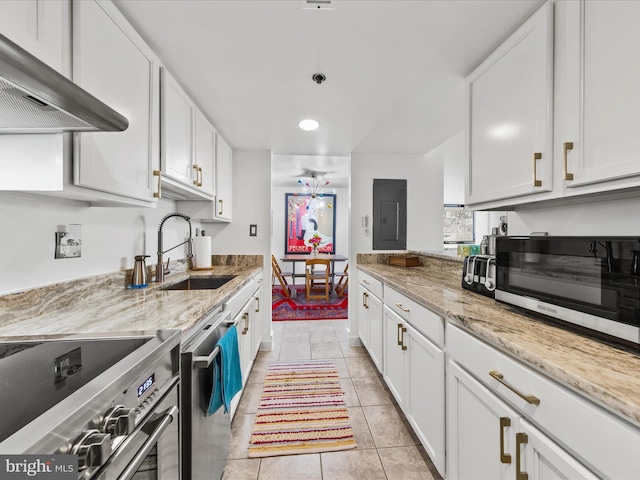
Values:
[(160, 267)]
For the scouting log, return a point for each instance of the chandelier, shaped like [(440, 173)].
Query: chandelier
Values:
[(313, 185)]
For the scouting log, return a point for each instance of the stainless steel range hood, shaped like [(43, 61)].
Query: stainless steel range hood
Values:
[(35, 98)]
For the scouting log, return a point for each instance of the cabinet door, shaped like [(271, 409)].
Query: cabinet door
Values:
[(363, 316), (375, 330), (480, 430), (603, 105), (256, 325), (178, 116), (510, 115), (543, 459), (224, 174), (393, 356), (244, 328), (37, 26), (113, 63), (205, 154), (425, 405)]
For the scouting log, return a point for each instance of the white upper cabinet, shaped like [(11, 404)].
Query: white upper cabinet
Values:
[(510, 115), (112, 62), (187, 144), (178, 117), (598, 79), (205, 153), (224, 180), (38, 26)]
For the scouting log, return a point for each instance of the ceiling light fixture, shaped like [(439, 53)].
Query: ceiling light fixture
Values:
[(309, 124), (314, 185)]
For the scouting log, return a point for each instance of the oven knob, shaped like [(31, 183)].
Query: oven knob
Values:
[(119, 421), (93, 449)]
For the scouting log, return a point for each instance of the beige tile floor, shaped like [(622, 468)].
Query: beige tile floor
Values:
[(387, 447)]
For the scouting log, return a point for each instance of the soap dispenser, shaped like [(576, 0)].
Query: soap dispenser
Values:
[(139, 275)]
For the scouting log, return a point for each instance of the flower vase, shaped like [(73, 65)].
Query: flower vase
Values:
[(314, 250)]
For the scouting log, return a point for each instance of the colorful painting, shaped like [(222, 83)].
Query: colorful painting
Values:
[(308, 217)]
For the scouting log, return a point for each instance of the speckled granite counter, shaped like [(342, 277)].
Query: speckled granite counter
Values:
[(104, 304), (609, 375)]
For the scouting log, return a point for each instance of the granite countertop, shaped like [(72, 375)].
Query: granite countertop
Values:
[(104, 304), (607, 374)]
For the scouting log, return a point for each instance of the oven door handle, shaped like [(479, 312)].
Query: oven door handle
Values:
[(169, 416)]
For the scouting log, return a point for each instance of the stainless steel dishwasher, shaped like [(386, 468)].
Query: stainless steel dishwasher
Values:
[(205, 439)]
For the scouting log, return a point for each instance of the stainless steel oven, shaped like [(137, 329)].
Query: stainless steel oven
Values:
[(110, 400), (591, 282)]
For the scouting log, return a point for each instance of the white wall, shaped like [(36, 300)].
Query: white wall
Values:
[(251, 206), (424, 197), (111, 237)]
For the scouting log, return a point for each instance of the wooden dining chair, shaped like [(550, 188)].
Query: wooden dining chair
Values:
[(281, 276), (315, 279), (343, 282)]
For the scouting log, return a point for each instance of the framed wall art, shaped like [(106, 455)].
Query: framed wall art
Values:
[(307, 216)]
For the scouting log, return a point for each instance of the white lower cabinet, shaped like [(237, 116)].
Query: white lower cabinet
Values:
[(414, 372), (487, 439), (425, 396), (393, 355), (370, 324), (246, 314), (554, 432)]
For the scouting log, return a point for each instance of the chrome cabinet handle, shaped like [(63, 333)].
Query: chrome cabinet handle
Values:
[(158, 194), (504, 457), (399, 305), (365, 297), (566, 147), (365, 282), (140, 457), (258, 307), (531, 399), (220, 202), (536, 182), (521, 439)]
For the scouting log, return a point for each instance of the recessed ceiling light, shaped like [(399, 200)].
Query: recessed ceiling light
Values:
[(309, 124)]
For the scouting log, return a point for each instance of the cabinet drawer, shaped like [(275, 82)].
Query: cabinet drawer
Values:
[(370, 283), (240, 299), (422, 319), (599, 439)]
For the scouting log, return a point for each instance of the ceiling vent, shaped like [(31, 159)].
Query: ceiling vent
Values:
[(318, 4)]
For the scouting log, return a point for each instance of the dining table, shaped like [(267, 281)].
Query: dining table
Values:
[(295, 258)]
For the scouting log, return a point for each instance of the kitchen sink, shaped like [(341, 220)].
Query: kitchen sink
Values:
[(200, 283)]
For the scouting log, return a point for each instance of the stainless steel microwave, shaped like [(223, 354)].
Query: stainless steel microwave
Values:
[(592, 282)]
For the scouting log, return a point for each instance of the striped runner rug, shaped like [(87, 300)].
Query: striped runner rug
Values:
[(302, 410)]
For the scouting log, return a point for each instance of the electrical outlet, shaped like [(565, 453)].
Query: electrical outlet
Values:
[(68, 241)]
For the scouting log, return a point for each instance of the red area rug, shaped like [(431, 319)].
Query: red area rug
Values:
[(283, 309)]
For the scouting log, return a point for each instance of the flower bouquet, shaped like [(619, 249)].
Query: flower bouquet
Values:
[(314, 241)]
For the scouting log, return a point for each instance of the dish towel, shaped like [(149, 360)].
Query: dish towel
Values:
[(227, 377)]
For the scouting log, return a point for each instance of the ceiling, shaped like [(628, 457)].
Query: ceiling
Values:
[(395, 69)]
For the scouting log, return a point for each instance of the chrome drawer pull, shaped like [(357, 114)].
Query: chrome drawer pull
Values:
[(532, 399)]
